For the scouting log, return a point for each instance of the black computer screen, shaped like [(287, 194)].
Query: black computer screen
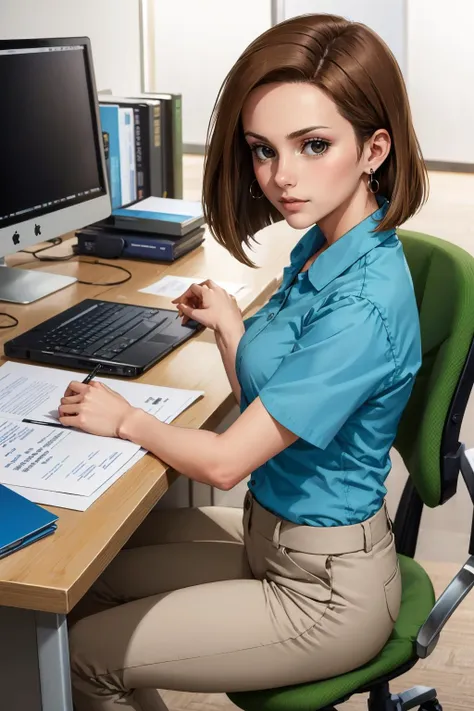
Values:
[(49, 153)]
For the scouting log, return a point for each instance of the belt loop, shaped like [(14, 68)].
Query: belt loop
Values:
[(248, 501), (367, 536), (276, 534), (389, 520)]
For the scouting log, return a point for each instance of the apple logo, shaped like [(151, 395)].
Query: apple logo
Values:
[(16, 238), (37, 230)]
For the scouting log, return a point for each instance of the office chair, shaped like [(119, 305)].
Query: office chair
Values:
[(428, 441)]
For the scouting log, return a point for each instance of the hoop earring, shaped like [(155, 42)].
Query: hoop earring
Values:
[(252, 192), (373, 183)]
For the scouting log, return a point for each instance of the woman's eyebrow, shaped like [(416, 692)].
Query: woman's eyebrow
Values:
[(295, 134)]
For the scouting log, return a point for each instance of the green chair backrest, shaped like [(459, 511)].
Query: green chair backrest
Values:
[(443, 278)]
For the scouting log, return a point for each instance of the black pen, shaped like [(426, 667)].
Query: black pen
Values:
[(47, 424), (86, 380), (92, 374)]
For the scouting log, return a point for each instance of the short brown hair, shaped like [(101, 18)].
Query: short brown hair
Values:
[(356, 69)]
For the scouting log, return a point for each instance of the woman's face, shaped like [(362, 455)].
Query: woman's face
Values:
[(305, 154)]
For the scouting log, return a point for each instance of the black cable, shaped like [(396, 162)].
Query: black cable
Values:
[(13, 318), (54, 243), (58, 240), (104, 264)]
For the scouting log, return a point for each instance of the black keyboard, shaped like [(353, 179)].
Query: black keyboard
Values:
[(103, 332)]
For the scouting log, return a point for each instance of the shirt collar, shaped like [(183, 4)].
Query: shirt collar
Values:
[(341, 255)]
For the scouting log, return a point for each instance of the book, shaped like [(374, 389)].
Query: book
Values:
[(127, 155), (22, 522), (109, 118), (148, 142), (141, 150), (102, 242), (158, 215), (171, 140)]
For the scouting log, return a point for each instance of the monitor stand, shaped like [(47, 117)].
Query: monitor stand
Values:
[(23, 286)]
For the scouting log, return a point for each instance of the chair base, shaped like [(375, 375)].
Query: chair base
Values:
[(421, 698)]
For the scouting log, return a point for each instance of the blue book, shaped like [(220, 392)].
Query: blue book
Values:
[(166, 216), (109, 119), (21, 522)]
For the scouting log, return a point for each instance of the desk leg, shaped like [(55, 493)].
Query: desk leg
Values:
[(53, 662)]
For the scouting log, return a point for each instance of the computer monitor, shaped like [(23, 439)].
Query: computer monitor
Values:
[(52, 170)]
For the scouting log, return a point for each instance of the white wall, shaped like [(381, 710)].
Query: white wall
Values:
[(112, 25), (196, 44), (388, 19), (197, 41), (441, 77), (433, 43)]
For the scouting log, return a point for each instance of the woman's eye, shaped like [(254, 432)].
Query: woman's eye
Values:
[(315, 147), (263, 152)]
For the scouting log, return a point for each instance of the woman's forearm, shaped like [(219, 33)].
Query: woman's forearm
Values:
[(195, 453), (227, 344), (198, 454)]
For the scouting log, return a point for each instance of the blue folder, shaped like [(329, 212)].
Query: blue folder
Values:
[(21, 522)]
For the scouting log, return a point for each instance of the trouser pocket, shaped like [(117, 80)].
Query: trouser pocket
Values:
[(306, 573), (393, 593)]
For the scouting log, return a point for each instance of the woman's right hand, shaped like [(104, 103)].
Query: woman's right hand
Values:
[(211, 305)]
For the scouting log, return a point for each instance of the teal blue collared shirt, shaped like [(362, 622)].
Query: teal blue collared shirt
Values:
[(333, 356)]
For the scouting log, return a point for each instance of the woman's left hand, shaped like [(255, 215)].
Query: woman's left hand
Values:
[(209, 304), (94, 408)]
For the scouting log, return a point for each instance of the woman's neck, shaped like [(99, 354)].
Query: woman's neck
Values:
[(353, 211)]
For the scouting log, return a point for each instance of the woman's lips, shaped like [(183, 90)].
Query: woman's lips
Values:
[(292, 204)]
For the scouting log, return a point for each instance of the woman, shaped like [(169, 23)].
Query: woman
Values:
[(312, 126)]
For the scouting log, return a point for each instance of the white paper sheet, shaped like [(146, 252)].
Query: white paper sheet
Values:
[(173, 286), (34, 392), (170, 206), (73, 501), (70, 468), (62, 460)]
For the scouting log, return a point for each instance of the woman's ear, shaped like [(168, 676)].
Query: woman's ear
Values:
[(376, 150)]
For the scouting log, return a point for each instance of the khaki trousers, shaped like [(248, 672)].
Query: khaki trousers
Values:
[(208, 600)]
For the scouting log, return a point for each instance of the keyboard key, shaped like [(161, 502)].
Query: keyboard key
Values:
[(105, 332)]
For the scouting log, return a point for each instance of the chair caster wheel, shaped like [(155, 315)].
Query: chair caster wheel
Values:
[(431, 706)]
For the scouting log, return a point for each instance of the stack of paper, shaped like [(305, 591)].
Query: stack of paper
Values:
[(61, 466)]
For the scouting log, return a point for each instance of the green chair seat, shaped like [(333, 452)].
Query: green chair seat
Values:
[(418, 599)]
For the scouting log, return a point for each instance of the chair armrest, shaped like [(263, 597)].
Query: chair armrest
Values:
[(444, 607)]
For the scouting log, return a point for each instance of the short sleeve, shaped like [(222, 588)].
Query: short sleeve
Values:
[(339, 361)]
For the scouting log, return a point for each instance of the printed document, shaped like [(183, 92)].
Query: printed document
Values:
[(173, 286), (52, 464), (59, 459)]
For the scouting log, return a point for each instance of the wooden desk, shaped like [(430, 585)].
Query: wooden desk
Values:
[(50, 576)]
